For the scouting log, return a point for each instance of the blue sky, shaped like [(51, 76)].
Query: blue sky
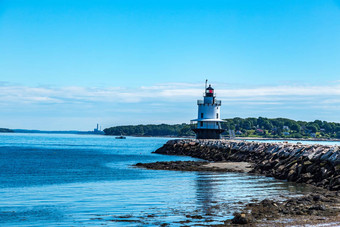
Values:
[(70, 64)]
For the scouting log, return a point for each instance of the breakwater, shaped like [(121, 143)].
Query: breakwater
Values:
[(315, 164)]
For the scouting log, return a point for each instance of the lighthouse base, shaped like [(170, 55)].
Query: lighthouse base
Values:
[(208, 133)]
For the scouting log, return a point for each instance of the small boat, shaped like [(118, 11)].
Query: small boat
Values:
[(120, 137)]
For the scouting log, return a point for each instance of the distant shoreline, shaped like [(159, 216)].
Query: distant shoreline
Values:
[(166, 136), (52, 132), (244, 138)]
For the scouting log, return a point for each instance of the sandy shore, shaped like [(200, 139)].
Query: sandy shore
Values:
[(244, 167), (240, 167)]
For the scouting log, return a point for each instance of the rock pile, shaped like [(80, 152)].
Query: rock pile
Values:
[(316, 164), (312, 204), (197, 166)]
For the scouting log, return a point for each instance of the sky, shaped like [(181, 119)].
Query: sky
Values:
[(68, 65)]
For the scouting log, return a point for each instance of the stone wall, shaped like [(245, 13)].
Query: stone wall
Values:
[(318, 165)]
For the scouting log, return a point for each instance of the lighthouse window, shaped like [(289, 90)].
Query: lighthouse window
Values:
[(201, 124), (217, 115), (201, 115)]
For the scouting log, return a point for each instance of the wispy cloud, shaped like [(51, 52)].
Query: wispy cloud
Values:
[(179, 92), (82, 107)]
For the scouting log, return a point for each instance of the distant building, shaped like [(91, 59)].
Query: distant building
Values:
[(259, 131), (238, 132), (285, 128), (97, 130)]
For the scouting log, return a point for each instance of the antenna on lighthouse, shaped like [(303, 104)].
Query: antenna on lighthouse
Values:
[(206, 84)]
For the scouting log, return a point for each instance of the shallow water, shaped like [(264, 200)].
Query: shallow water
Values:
[(67, 180)]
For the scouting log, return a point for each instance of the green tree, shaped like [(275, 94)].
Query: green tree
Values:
[(319, 123), (313, 128), (246, 125), (295, 127), (266, 124)]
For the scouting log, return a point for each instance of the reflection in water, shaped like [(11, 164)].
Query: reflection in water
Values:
[(205, 192), (221, 194)]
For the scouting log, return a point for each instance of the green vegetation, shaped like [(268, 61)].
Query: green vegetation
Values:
[(5, 130), (248, 127), (282, 128), (151, 130)]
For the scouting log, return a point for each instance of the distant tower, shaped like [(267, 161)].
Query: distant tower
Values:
[(96, 129), (208, 121)]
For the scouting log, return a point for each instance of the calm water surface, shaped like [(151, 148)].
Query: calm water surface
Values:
[(81, 180)]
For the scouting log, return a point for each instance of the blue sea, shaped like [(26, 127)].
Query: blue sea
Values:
[(89, 180)]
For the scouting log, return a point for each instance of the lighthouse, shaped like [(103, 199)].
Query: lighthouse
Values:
[(208, 123)]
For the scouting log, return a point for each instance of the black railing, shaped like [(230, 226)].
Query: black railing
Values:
[(211, 126), (217, 102)]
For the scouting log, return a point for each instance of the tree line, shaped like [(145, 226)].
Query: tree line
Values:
[(5, 130), (282, 127), (151, 130), (243, 127)]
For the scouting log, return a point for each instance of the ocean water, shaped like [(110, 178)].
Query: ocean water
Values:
[(84, 180)]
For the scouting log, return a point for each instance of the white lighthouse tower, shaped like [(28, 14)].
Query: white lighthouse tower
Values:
[(208, 122)]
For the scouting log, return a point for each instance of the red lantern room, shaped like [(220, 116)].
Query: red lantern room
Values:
[(209, 92)]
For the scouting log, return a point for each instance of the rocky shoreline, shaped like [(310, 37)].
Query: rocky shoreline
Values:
[(311, 209), (316, 165)]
